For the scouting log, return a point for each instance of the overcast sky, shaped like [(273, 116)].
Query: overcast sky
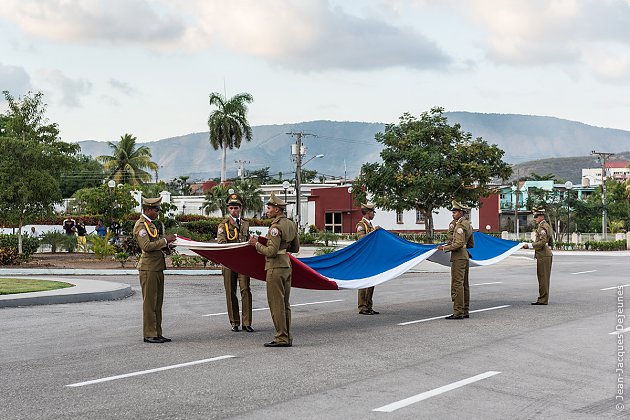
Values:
[(146, 67)]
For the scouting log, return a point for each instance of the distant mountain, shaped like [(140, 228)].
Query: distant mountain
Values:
[(347, 145)]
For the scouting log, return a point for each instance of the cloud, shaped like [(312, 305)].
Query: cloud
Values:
[(122, 87), (108, 21), (71, 90), (313, 35), (14, 79)]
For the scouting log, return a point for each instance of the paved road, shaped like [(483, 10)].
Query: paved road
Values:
[(515, 361)]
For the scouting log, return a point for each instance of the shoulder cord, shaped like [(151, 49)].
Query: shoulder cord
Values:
[(227, 232), (153, 234)]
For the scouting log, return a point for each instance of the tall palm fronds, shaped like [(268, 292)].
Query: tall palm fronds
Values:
[(251, 192), (127, 163), (228, 124), (215, 199)]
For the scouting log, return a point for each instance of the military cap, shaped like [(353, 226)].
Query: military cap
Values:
[(234, 200), (458, 206), (368, 206), (538, 212), (275, 201), (151, 202)]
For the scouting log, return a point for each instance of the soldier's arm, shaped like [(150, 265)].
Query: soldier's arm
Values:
[(541, 240), (294, 246), (459, 238), (145, 244), (221, 238), (273, 244)]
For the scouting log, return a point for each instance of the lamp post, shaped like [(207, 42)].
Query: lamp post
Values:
[(298, 185), (568, 185), (111, 184), (285, 185), (349, 209)]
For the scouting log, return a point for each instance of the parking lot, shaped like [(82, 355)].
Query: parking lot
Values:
[(509, 360)]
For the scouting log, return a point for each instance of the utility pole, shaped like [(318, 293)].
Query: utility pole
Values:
[(602, 158), (298, 151), (517, 191), (241, 167)]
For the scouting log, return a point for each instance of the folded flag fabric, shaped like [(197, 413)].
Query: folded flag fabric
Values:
[(376, 258)]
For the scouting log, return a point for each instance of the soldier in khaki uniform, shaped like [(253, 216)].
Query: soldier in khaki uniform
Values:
[(282, 238), (543, 255), (458, 244), (365, 227), (235, 229), (151, 267)]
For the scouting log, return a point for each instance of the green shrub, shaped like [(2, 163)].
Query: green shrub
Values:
[(9, 256), (605, 245), (101, 246), (29, 243), (324, 250), (129, 245), (327, 237), (54, 238), (307, 238), (122, 258)]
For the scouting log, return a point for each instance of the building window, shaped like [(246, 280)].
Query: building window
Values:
[(399, 217), (333, 222), (420, 218)]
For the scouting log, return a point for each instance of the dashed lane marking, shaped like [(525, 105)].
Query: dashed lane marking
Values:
[(442, 316), (294, 305)]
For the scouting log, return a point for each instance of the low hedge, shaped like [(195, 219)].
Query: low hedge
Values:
[(605, 245), (29, 243)]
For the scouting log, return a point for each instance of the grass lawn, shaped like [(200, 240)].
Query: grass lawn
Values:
[(10, 286)]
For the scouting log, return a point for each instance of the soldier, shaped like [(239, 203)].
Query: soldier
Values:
[(235, 229), (544, 256), (364, 227), (151, 269), (462, 238), (81, 236), (282, 238)]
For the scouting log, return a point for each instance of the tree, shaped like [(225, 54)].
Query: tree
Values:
[(180, 186), (127, 163), (228, 124), (308, 176), (426, 164), (105, 201), (86, 172), (215, 199), (32, 157), (251, 192)]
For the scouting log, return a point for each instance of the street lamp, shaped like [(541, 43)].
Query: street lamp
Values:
[(298, 186), (568, 185), (350, 209)]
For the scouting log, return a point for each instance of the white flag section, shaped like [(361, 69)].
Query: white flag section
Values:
[(372, 260)]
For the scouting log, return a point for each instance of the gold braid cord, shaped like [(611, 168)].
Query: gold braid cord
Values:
[(153, 234), (227, 232)]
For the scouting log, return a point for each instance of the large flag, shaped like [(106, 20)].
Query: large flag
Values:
[(374, 259)]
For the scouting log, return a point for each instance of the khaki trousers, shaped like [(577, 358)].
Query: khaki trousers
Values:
[(543, 272), (152, 284), (81, 244), (460, 289), (278, 292), (230, 280), (365, 299)]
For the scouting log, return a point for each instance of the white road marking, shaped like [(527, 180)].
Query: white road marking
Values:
[(437, 391), (144, 372), (615, 287), (442, 316), (483, 284), (294, 305), (585, 272), (625, 330)]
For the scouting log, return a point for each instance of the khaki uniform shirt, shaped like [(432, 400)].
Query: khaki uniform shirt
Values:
[(281, 238), (461, 240), (146, 234), (228, 231), (543, 240), (364, 227)]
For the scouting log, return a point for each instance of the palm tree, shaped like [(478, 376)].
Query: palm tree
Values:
[(215, 199), (127, 163), (228, 123), (251, 192)]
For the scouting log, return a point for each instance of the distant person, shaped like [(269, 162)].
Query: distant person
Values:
[(68, 225), (33, 232), (544, 257), (114, 229), (100, 229), (235, 229), (81, 236), (365, 227)]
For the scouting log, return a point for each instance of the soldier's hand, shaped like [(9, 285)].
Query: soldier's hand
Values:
[(525, 246), (252, 240), (170, 238), (440, 247)]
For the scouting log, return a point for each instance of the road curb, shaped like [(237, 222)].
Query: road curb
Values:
[(84, 290), (96, 272)]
